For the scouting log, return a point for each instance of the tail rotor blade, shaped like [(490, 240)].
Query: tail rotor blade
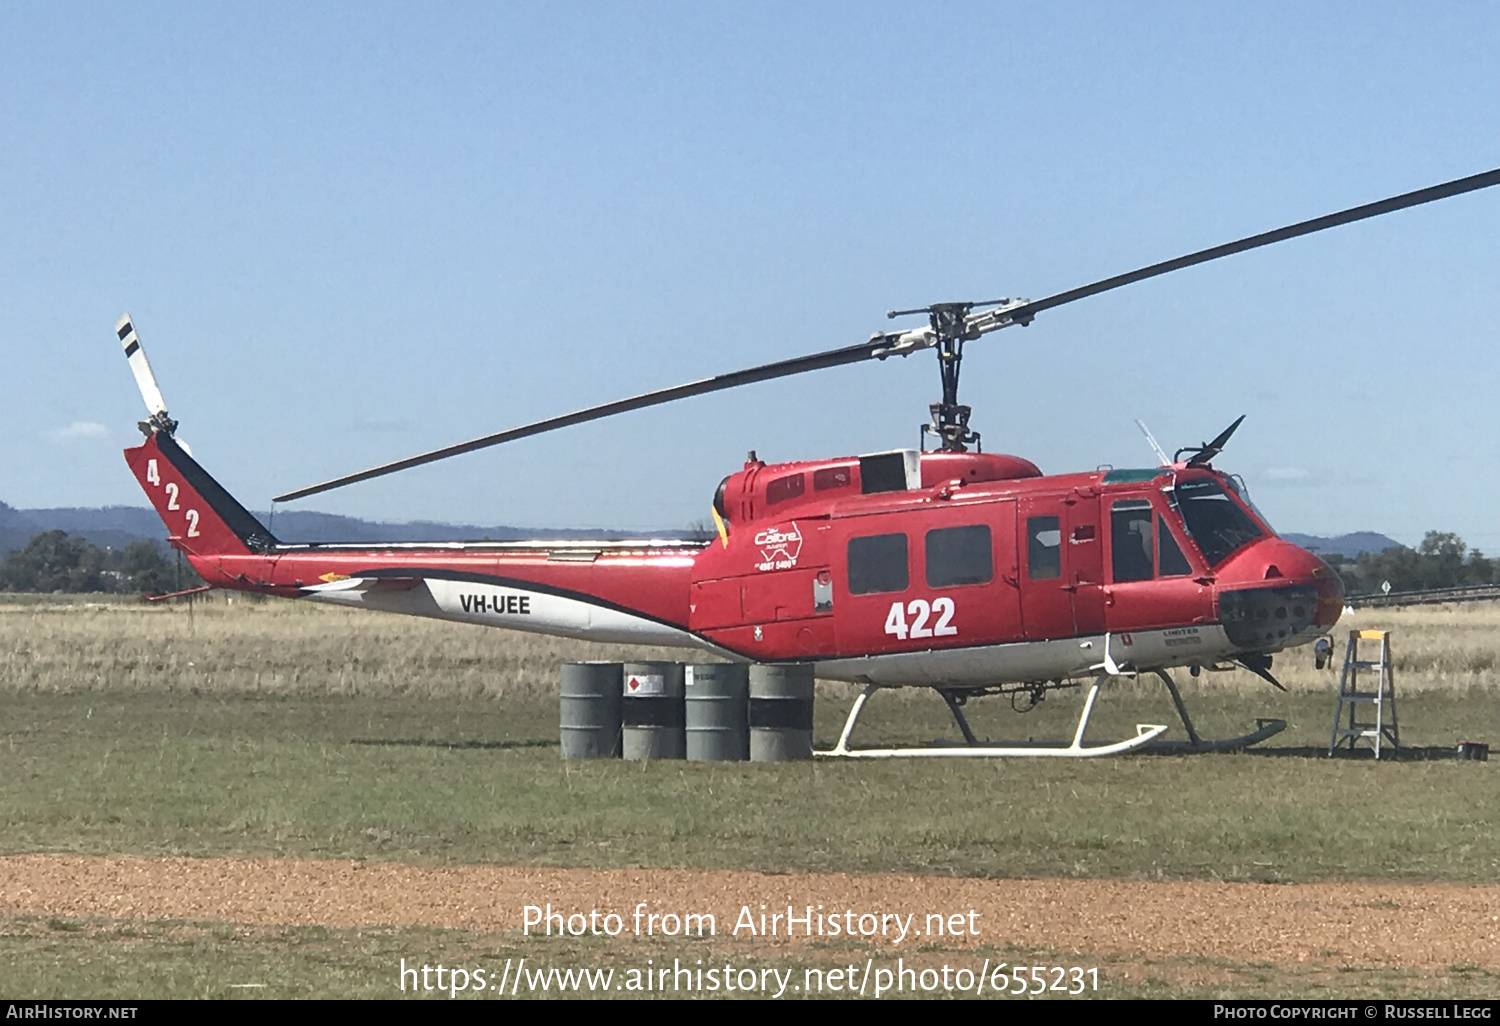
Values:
[(156, 406), (144, 379)]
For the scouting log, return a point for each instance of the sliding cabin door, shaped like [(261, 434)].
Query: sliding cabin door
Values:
[(932, 578)]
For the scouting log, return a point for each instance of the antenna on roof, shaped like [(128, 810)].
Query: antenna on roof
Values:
[(1161, 453)]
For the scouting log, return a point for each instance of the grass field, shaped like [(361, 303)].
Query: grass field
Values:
[(180, 960), (283, 729)]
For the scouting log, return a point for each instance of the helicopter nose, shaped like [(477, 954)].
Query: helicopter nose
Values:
[(1274, 595)]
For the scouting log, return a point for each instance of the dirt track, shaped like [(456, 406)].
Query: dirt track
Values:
[(1427, 926)]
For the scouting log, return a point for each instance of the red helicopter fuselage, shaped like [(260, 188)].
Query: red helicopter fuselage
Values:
[(936, 568), (953, 569)]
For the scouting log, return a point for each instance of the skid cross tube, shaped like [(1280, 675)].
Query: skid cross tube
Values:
[(1192, 734), (1076, 749), (1264, 728), (955, 706)]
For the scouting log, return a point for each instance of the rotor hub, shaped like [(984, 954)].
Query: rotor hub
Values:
[(950, 420)]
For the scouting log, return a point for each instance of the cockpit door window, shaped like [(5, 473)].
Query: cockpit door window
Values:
[(1170, 562), (1130, 540), (1043, 548)]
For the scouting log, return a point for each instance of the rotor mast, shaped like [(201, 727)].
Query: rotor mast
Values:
[(953, 324)]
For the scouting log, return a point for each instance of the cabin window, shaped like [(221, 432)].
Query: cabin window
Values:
[(830, 477), (959, 555), (784, 488), (884, 472), (1170, 562), (1130, 536), (878, 563), (1043, 548)]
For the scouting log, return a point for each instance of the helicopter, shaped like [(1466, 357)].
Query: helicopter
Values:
[(951, 568)]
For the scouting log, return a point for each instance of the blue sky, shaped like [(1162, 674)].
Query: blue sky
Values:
[(349, 233)]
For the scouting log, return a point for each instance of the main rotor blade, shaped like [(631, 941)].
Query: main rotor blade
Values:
[(877, 346), (880, 346), (1386, 206)]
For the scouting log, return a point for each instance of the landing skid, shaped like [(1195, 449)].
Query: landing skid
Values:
[(1264, 728), (1147, 738), (1145, 733)]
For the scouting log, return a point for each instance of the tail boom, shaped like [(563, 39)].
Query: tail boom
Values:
[(636, 592)]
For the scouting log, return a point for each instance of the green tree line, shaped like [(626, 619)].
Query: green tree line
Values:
[(55, 561), (1443, 560)]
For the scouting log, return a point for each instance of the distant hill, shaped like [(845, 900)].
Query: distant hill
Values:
[(16, 528), (118, 526), (112, 527), (1348, 545), (307, 526)]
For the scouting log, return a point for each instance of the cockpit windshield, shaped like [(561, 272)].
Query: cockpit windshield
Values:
[(1217, 523), (1243, 491)]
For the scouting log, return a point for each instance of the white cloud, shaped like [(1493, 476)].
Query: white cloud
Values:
[(79, 429), (1296, 477)]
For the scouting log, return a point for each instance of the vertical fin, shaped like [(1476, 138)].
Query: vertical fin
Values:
[(201, 517)]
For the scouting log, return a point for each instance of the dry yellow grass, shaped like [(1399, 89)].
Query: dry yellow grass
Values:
[(1446, 648), (232, 643)]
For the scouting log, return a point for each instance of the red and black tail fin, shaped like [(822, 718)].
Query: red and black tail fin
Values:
[(201, 517)]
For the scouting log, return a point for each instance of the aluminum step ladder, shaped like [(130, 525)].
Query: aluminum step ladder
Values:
[(1383, 729)]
